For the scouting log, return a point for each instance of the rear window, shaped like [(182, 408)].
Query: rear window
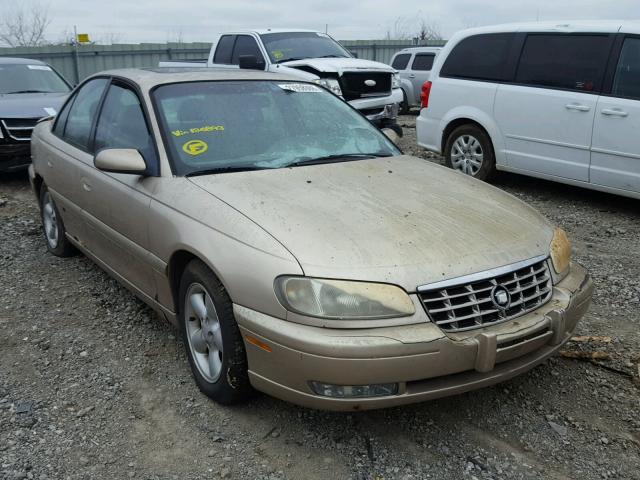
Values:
[(223, 50), (423, 61), (627, 81), (479, 57), (401, 61), (567, 61)]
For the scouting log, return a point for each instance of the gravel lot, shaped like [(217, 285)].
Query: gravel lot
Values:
[(93, 385)]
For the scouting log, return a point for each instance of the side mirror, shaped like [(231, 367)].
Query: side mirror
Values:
[(120, 160), (250, 62)]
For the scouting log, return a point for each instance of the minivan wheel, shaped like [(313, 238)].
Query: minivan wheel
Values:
[(469, 150), (212, 339), (54, 231)]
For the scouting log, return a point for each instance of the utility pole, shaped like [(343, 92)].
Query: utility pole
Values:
[(76, 63)]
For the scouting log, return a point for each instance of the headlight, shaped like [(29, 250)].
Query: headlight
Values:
[(330, 84), (343, 300), (560, 252), (395, 81)]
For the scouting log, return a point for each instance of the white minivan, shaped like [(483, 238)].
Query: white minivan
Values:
[(560, 102)]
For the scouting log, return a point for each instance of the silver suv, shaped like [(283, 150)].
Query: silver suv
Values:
[(414, 68)]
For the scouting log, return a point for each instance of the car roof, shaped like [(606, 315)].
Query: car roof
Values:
[(147, 78), (562, 26), (419, 49), (19, 61), (262, 31)]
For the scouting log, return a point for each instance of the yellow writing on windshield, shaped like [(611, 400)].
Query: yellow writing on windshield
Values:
[(206, 128)]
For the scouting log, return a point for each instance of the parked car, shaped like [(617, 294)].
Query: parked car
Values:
[(560, 102), (414, 68), (294, 246), (371, 87), (29, 90)]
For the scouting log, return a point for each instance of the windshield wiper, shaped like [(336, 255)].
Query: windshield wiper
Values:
[(331, 56), (342, 157), (28, 91), (292, 59), (231, 168)]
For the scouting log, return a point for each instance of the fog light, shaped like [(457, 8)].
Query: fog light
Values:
[(354, 391)]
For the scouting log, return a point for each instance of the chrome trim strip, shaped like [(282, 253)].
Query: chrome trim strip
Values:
[(476, 277), (10, 129)]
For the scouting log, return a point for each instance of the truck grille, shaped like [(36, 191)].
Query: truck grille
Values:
[(465, 306), (19, 128), (353, 84)]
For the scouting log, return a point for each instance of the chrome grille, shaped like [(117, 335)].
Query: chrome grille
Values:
[(467, 305), (19, 128)]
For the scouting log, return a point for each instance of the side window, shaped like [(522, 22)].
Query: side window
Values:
[(61, 119), (121, 123), (223, 50), (573, 62), (481, 57), (401, 61), (83, 112), (423, 61), (627, 80), (245, 45)]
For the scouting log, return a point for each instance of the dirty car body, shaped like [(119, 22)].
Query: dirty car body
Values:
[(357, 277), (29, 91)]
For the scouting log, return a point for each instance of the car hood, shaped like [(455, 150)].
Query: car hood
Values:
[(400, 220), (30, 105), (339, 65)]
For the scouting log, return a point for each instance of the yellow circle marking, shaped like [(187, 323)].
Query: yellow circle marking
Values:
[(195, 147)]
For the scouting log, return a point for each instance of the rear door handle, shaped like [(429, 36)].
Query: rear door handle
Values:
[(614, 112), (577, 107), (412, 76)]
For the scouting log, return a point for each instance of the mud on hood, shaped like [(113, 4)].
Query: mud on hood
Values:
[(30, 105), (400, 220), (339, 65)]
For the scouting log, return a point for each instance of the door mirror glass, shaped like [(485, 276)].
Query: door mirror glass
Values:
[(120, 160)]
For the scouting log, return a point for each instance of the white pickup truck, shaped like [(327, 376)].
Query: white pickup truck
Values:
[(371, 87)]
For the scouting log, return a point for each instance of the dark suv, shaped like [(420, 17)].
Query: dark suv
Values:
[(29, 91)]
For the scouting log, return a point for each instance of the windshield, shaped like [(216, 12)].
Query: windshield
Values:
[(236, 125), (283, 47), (20, 78)]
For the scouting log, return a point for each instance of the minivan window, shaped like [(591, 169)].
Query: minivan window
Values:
[(83, 112), (479, 57), (401, 61), (423, 61), (224, 48), (567, 61), (245, 45), (626, 83), (248, 125)]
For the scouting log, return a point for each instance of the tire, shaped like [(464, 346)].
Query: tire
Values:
[(217, 356), (470, 151), (53, 228), (404, 105)]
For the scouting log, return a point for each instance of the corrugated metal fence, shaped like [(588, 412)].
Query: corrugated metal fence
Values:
[(75, 65)]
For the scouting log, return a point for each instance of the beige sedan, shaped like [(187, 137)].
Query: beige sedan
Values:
[(296, 249)]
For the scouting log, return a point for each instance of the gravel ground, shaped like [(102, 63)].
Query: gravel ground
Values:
[(93, 385)]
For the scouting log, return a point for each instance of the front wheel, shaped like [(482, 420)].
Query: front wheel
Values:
[(212, 339), (469, 150), (404, 108)]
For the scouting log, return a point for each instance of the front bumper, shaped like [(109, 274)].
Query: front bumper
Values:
[(14, 156), (378, 109), (425, 362)]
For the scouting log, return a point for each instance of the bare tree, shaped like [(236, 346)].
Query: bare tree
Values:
[(400, 29), (24, 26), (428, 30)]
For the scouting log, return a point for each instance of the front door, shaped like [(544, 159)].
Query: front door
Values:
[(615, 154)]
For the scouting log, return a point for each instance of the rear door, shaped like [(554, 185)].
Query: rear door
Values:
[(420, 72), (546, 114), (615, 154)]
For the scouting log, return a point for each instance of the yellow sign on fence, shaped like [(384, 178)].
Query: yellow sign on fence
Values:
[(83, 38)]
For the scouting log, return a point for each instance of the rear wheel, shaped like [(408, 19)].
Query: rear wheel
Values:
[(211, 336), (54, 231), (469, 150)]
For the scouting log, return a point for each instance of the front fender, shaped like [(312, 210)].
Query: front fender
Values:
[(407, 87)]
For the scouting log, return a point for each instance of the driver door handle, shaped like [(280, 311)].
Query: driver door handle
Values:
[(614, 112)]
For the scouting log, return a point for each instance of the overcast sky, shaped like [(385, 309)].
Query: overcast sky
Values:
[(134, 21)]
